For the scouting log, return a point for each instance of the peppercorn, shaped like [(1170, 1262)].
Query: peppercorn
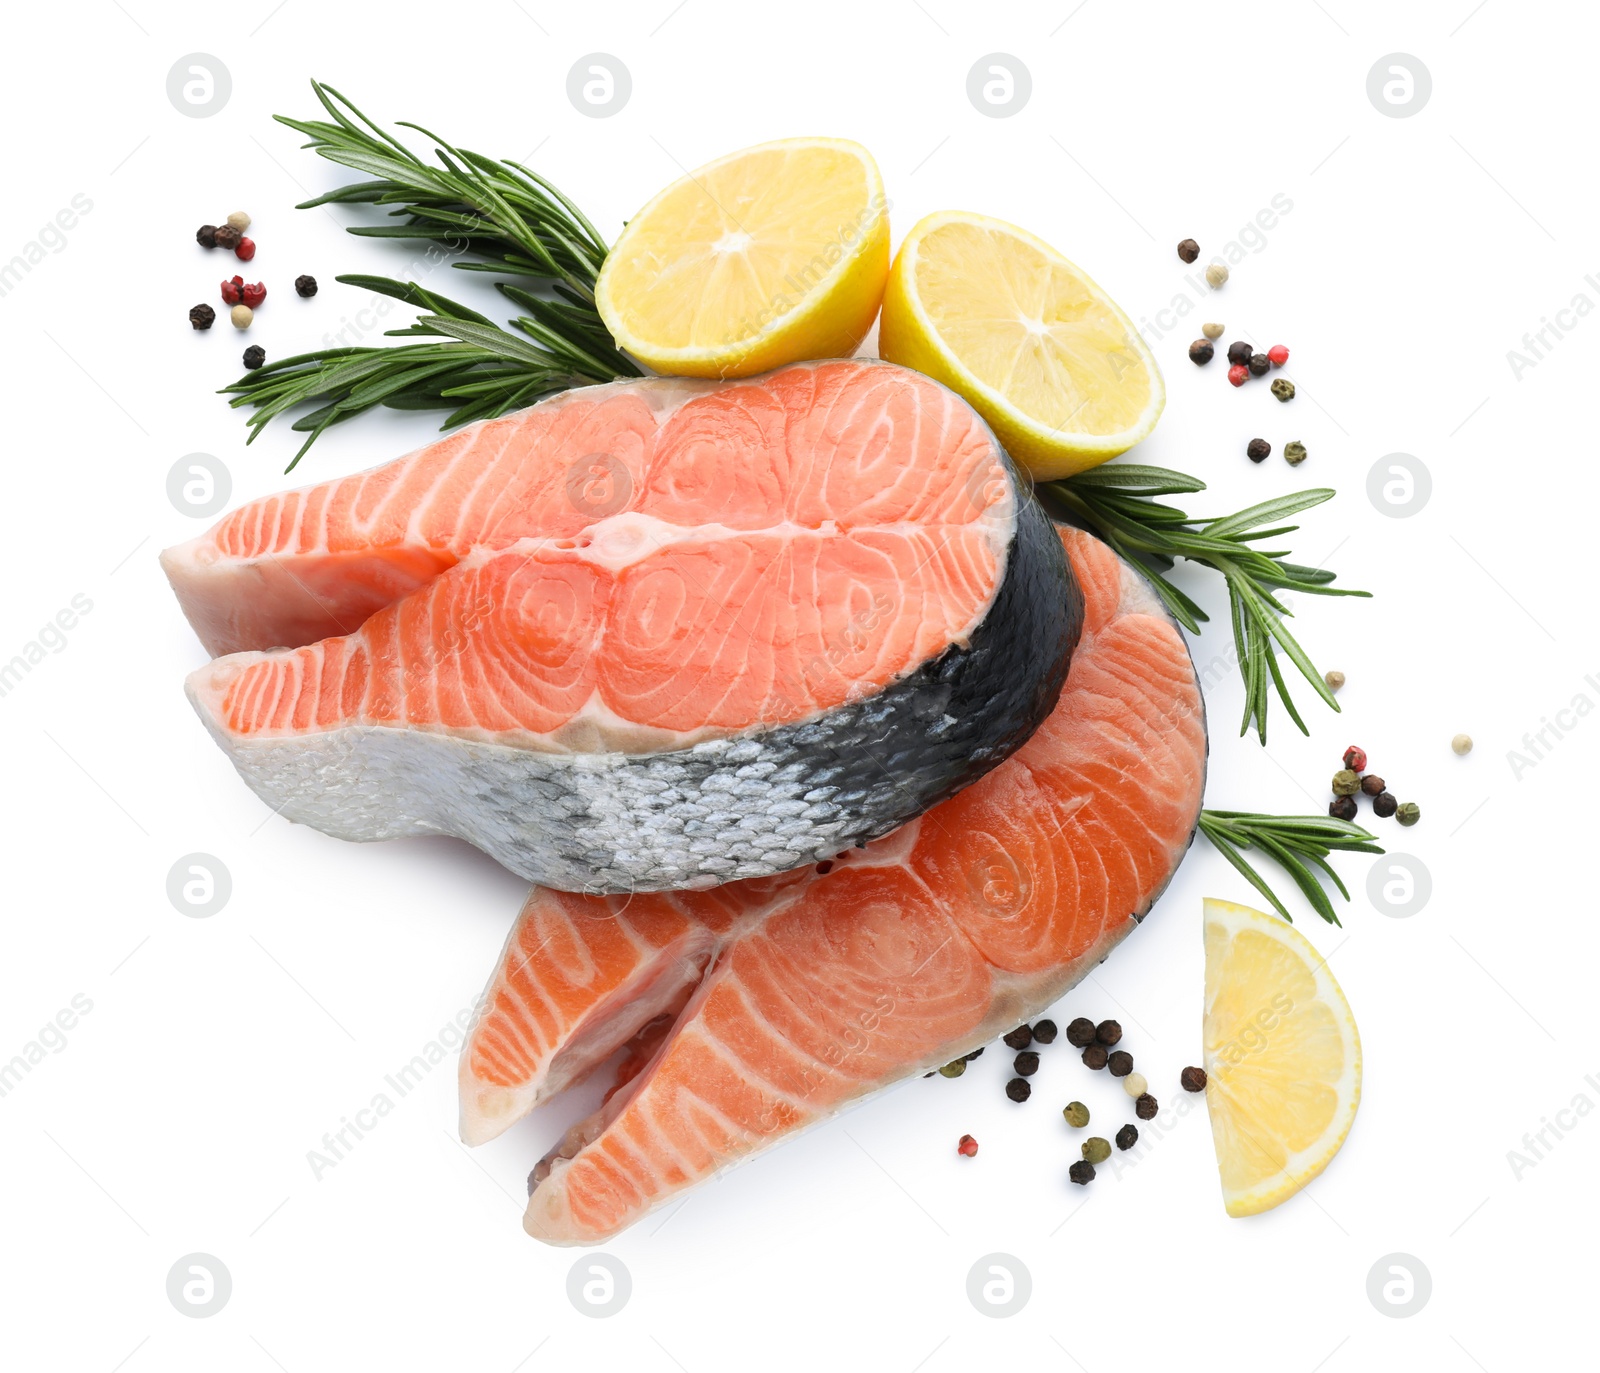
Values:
[(1238, 374), (1193, 1079), (244, 249), (253, 294), (1135, 1085), (1018, 1089), (1146, 1107), (254, 356), (1239, 352), (1188, 250), (226, 236), (1216, 276), (1258, 365), (1019, 1038), (976, 1053), (1408, 814), (305, 286), (1283, 389), (1258, 450), (1343, 808), (1076, 1113), (239, 220), (1026, 1063), (1278, 355), (1355, 758), (1462, 744), (967, 1147), (206, 235), (1384, 805), (1127, 1137), (232, 291), (1080, 1032), (1108, 1032), (1334, 678), (1081, 1173), (1096, 1149), (1201, 352), (202, 316), (1044, 1032), (1211, 331), (954, 1068), (1095, 1057), (1346, 783), (1294, 452), (241, 315), (1120, 1063), (1372, 784)]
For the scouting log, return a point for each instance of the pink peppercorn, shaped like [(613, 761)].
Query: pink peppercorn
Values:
[(968, 1147), (1278, 355), (1238, 375)]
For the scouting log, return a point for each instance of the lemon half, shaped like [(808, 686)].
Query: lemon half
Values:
[(1282, 1057), (1042, 353), (770, 255)]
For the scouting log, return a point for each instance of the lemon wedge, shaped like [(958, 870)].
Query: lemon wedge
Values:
[(770, 255), (1282, 1057), (1040, 351)]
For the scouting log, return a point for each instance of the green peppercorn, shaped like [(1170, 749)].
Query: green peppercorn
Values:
[(1019, 1038), (1080, 1032), (1283, 388), (1076, 1113), (1294, 452), (1044, 1032), (1096, 1149), (1346, 782), (1384, 805), (1120, 1063), (954, 1068), (1081, 1173), (1409, 813), (1146, 1107), (1095, 1057), (1127, 1136)]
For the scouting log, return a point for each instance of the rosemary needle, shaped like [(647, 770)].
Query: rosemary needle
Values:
[(1299, 844)]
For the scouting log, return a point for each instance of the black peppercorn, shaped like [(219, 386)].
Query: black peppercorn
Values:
[(1127, 1136), (1193, 1079), (1095, 1057), (1120, 1063), (1044, 1032), (206, 235), (1343, 808), (1188, 250), (1239, 353), (1108, 1032), (1258, 450), (202, 317), (1081, 1172), (1372, 784), (976, 1053), (1026, 1063), (254, 356), (1146, 1107), (305, 286), (1201, 352), (1018, 1089), (1080, 1032), (226, 236), (1384, 805), (1019, 1038), (1260, 364)]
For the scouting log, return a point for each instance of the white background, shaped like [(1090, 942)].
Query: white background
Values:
[(178, 1116)]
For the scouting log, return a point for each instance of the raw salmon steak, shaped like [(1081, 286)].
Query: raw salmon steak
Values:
[(752, 1011), (649, 635)]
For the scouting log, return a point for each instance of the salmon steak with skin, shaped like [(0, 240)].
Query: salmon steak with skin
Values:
[(749, 1012), (644, 636)]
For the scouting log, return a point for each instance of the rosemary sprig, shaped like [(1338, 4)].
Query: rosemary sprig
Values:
[(1300, 844), (1118, 502), (512, 219)]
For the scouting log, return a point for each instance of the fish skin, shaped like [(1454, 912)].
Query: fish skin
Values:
[(359, 737), (792, 996)]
